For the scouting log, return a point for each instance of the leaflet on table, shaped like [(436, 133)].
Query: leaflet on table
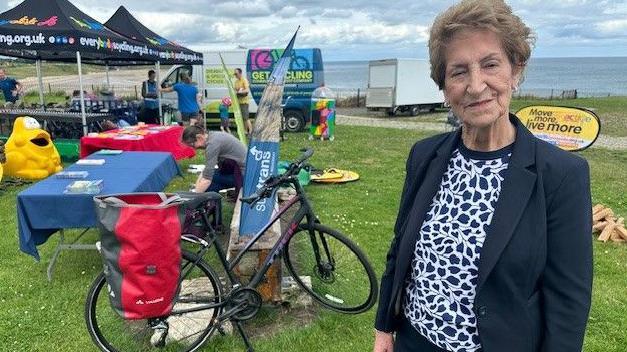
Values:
[(109, 152), (128, 137), (72, 174), (91, 162), (85, 187)]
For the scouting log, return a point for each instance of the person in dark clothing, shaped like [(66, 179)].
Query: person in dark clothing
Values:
[(150, 93), (11, 89), (492, 248)]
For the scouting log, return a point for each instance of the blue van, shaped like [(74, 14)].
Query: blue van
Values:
[(306, 73)]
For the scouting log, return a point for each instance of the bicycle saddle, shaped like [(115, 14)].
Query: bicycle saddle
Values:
[(197, 200)]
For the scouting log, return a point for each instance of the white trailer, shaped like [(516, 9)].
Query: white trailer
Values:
[(402, 85)]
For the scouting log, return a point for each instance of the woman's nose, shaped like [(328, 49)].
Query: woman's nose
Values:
[(476, 82)]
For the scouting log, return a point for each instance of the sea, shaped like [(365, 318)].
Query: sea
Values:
[(544, 77)]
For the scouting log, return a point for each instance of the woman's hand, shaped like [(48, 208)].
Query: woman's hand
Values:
[(383, 342)]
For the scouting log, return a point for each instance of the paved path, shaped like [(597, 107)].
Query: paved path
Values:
[(609, 142)]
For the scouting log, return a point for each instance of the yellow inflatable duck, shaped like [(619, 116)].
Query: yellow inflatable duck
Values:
[(30, 153)]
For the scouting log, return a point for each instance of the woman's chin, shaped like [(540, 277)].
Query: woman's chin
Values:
[(483, 119)]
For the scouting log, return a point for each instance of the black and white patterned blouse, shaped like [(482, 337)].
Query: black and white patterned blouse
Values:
[(440, 291)]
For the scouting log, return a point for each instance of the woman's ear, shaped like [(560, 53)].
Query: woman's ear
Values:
[(517, 72)]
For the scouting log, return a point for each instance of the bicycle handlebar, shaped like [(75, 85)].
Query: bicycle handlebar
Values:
[(307, 153), (274, 181)]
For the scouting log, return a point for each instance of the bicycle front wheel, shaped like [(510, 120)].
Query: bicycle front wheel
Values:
[(185, 331), (332, 269)]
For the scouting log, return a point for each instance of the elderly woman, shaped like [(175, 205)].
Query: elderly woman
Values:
[(492, 249)]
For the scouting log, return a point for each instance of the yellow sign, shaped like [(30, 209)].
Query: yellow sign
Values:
[(568, 128)]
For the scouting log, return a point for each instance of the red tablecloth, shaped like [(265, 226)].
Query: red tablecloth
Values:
[(149, 138)]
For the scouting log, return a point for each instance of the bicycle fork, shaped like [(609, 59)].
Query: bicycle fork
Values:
[(324, 266)]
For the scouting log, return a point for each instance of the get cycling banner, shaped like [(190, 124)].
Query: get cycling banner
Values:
[(300, 68), (237, 112), (55, 30), (569, 128), (263, 150)]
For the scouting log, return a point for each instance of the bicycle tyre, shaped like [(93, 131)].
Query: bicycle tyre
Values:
[(346, 283), (135, 335)]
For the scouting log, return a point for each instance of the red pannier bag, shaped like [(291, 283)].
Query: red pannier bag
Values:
[(140, 246)]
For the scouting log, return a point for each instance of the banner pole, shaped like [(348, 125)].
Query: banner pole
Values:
[(158, 69), (107, 73), (80, 83), (41, 84)]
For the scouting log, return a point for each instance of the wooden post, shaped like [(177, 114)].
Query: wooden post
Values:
[(358, 97), (270, 288)]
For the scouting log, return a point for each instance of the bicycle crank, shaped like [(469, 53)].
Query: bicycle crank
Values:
[(243, 303)]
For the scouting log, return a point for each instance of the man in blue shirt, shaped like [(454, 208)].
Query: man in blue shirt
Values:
[(10, 87), (150, 111), (188, 97)]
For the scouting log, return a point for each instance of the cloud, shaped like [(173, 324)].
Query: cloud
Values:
[(613, 26), (360, 28)]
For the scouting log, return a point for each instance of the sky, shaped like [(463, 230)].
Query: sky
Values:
[(363, 29)]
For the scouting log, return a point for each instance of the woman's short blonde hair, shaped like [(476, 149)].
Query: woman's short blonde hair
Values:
[(494, 15)]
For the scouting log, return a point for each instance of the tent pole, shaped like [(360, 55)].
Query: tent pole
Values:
[(41, 84), (158, 69), (80, 83), (107, 73)]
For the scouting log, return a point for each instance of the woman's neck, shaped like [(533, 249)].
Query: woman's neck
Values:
[(489, 138)]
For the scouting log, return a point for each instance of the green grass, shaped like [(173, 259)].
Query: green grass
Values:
[(612, 112), (19, 69), (39, 316)]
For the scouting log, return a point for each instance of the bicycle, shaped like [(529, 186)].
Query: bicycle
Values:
[(341, 278)]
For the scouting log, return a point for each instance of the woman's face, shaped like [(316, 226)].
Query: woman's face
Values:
[(479, 78)]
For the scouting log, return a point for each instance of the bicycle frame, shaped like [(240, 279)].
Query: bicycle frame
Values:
[(305, 211)]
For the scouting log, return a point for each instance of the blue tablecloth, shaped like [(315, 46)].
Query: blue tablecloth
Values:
[(43, 208)]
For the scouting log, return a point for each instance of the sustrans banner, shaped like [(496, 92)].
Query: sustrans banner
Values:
[(568, 128)]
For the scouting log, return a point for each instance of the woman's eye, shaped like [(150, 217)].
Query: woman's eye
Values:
[(457, 73)]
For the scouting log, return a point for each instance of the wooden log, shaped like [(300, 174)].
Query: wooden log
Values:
[(607, 231), (622, 232), (597, 208), (615, 236), (599, 226), (603, 214)]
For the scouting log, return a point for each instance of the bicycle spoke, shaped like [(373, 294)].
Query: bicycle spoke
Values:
[(340, 276), (182, 331)]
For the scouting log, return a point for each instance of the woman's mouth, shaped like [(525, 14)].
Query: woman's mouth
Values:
[(479, 104)]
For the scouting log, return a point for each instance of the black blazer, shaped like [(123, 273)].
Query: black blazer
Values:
[(535, 272)]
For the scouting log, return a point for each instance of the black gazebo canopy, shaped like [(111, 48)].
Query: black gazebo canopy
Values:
[(55, 30), (125, 24)]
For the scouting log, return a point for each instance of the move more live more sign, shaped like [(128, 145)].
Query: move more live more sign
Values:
[(568, 128)]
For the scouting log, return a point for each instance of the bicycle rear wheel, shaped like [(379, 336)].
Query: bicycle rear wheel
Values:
[(185, 332), (332, 269)]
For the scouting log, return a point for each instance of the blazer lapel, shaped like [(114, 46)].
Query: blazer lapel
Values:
[(516, 190)]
